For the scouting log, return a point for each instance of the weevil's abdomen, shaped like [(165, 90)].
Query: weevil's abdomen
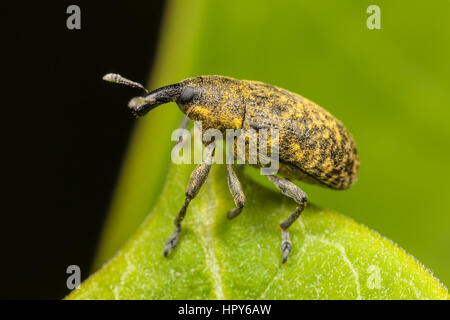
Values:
[(314, 146)]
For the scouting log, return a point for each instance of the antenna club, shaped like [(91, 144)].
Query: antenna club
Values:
[(112, 77), (117, 78)]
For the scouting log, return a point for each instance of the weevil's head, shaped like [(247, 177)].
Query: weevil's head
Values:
[(219, 102)]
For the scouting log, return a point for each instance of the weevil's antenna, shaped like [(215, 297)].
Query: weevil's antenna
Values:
[(117, 78)]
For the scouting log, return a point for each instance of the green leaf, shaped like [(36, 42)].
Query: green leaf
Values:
[(333, 257), (323, 51), (311, 55)]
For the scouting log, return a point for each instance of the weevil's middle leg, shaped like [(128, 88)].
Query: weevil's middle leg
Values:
[(236, 191), (196, 181), (290, 190)]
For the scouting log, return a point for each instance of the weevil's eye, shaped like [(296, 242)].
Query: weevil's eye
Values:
[(187, 95)]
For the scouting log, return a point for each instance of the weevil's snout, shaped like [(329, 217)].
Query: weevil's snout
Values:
[(141, 105), (138, 106)]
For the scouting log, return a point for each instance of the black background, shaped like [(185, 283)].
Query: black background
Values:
[(64, 132)]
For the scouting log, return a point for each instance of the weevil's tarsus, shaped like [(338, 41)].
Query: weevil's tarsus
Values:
[(196, 181), (173, 241), (290, 190), (117, 78), (236, 191), (286, 245)]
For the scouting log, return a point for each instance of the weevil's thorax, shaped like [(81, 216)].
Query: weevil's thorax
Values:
[(217, 101)]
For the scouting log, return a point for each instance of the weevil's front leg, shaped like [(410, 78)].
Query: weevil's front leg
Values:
[(196, 181), (292, 191), (183, 125), (236, 190)]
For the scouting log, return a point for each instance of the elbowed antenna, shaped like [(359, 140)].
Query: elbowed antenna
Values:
[(117, 78)]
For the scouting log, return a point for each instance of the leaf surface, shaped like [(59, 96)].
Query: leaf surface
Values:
[(333, 257)]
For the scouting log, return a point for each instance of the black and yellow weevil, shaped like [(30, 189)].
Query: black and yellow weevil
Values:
[(314, 146)]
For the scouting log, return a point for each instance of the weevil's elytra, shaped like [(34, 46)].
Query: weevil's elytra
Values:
[(314, 146)]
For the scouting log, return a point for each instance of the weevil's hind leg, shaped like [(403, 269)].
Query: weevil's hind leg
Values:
[(236, 190), (292, 191), (183, 125), (196, 181)]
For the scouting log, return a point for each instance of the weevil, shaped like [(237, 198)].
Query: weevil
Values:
[(314, 146)]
